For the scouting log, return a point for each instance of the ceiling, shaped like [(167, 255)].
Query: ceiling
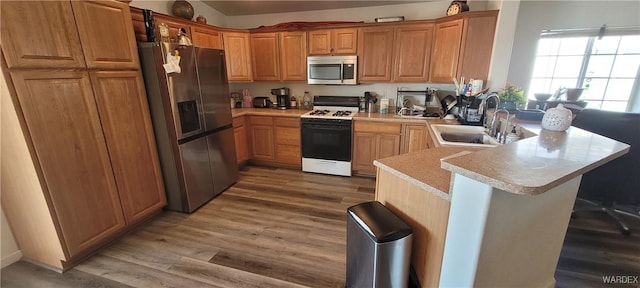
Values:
[(254, 7)]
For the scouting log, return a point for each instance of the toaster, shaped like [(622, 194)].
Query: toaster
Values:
[(261, 102)]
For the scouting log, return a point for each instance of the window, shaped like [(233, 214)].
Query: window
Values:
[(607, 67)]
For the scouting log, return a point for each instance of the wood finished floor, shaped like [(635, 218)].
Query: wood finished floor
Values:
[(284, 228)]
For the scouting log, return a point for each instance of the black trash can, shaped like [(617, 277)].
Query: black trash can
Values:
[(378, 247)]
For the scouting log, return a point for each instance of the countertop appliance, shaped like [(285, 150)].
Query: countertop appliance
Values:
[(192, 122), (327, 135), (336, 70), (282, 97), (261, 102)]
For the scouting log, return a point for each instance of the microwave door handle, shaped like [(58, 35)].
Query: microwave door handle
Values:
[(342, 73)]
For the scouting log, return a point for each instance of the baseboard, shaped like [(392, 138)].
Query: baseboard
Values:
[(11, 258)]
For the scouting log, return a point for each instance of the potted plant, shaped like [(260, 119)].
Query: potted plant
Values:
[(511, 97)]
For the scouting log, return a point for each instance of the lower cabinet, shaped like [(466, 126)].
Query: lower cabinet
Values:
[(415, 137), (85, 163), (374, 140), (275, 140), (240, 137)]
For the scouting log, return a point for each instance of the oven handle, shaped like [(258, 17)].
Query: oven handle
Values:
[(327, 127)]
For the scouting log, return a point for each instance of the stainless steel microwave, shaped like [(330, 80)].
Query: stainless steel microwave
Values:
[(337, 70)]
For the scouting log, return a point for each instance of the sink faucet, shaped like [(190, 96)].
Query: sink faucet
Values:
[(494, 128), (485, 106)]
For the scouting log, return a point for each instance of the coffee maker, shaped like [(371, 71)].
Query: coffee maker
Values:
[(282, 97)]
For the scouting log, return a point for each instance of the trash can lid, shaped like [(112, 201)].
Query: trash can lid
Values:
[(379, 222)]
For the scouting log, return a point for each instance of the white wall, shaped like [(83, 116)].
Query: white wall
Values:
[(213, 16), (415, 11), (534, 16), (503, 42), (9, 252)]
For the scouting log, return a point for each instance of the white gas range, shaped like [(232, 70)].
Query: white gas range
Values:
[(327, 135)]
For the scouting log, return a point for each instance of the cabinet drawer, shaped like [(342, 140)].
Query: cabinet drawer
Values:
[(287, 122), (261, 120), (238, 122), (377, 127)]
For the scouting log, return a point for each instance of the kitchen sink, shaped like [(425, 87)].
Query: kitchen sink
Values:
[(460, 135)]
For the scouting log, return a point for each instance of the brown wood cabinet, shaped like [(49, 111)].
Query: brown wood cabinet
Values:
[(333, 41), (240, 137), (279, 56), (265, 56), (293, 56), (462, 47), (238, 56), (374, 140), (87, 130), (287, 137), (206, 37), (103, 27), (36, 43), (124, 114), (261, 137), (412, 53), (275, 140), (375, 53), (415, 137)]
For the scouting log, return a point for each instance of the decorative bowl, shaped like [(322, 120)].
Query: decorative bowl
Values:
[(573, 94), (182, 9), (542, 96)]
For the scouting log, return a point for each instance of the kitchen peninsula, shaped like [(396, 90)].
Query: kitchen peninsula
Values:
[(495, 217)]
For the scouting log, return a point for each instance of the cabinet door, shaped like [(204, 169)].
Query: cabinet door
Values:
[(388, 145), (415, 138), (106, 33), (60, 112), (261, 134), (237, 56), (446, 49), (476, 47), (375, 49), (240, 137), (320, 42), (206, 38), (40, 34), (124, 114), (412, 53), (265, 56), (364, 151), (344, 41), (293, 56)]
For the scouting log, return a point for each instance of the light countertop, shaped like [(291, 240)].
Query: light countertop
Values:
[(237, 112), (529, 166)]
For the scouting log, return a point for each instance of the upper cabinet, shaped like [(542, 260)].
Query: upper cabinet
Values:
[(265, 56), (293, 56), (279, 56), (412, 53), (463, 47), (110, 46), (36, 43), (375, 53), (333, 41), (237, 56), (206, 37)]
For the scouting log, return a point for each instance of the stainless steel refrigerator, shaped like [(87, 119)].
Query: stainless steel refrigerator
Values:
[(192, 122)]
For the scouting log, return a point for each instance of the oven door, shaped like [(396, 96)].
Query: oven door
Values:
[(326, 140)]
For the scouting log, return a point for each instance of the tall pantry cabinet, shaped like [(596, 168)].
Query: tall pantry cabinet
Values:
[(85, 133)]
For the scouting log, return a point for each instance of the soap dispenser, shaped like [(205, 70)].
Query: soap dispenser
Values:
[(512, 136)]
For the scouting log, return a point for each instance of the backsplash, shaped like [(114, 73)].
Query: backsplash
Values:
[(297, 89)]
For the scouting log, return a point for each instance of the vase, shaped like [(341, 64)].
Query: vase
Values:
[(557, 119), (182, 9), (201, 19)]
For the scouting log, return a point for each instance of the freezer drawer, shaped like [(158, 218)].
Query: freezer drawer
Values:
[(197, 175), (222, 156)]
